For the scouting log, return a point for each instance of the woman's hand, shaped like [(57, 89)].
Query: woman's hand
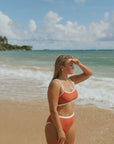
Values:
[(61, 137), (76, 61)]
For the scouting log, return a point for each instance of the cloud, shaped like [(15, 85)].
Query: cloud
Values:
[(106, 16), (54, 34), (16, 31), (79, 1), (50, 20), (110, 31), (69, 32), (32, 25), (104, 30), (97, 30), (6, 26)]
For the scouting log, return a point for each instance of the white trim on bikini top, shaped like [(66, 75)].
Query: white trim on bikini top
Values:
[(66, 92), (63, 87), (66, 103)]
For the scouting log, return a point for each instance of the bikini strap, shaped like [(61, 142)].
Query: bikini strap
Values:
[(61, 84), (71, 81)]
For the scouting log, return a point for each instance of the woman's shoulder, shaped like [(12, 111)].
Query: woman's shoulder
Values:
[(54, 87), (54, 83)]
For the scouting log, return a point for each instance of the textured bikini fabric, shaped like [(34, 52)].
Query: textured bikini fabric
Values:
[(67, 97)]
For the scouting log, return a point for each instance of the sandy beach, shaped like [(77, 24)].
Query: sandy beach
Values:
[(23, 123)]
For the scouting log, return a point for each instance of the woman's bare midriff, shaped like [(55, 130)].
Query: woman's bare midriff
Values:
[(66, 110)]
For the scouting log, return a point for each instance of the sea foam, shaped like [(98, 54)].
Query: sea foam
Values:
[(95, 90)]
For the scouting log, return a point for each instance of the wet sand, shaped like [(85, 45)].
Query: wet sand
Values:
[(24, 123)]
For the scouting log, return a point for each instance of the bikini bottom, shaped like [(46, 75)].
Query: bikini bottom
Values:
[(66, 121)]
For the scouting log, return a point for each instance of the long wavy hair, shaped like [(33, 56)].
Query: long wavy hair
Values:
[(60, 61)]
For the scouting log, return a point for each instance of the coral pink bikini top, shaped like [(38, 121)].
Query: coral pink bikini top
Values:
[(67, 97)]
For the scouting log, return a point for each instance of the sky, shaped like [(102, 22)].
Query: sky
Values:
[(58, 24)]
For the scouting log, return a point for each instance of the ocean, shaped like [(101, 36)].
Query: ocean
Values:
[(25, 75)]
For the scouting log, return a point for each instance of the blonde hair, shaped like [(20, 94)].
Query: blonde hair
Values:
[(60, 61)]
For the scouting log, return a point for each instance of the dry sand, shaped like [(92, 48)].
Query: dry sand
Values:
[(23, 123)]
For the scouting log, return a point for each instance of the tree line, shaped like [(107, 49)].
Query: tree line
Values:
[(4, 45), (3, 40)]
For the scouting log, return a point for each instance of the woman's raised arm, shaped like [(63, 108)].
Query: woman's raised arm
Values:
[(87, 72)]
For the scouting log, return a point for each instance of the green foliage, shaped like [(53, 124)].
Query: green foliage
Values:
[(4, 46), (26, 47)]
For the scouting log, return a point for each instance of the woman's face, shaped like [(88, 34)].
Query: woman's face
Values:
[(69, 67)]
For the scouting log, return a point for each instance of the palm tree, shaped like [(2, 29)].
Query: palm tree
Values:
[(0, 39), (5, 39)]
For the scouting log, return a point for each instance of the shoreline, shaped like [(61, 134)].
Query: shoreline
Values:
[(24, 123)]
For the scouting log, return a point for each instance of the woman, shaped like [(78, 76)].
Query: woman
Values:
[(60, 127)]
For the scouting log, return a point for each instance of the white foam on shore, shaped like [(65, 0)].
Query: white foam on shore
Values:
[(97, 91), (25, 72), (19, 80)]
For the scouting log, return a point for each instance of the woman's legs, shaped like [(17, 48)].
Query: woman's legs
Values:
[(68, 126), (51, 134), (70, 135)]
